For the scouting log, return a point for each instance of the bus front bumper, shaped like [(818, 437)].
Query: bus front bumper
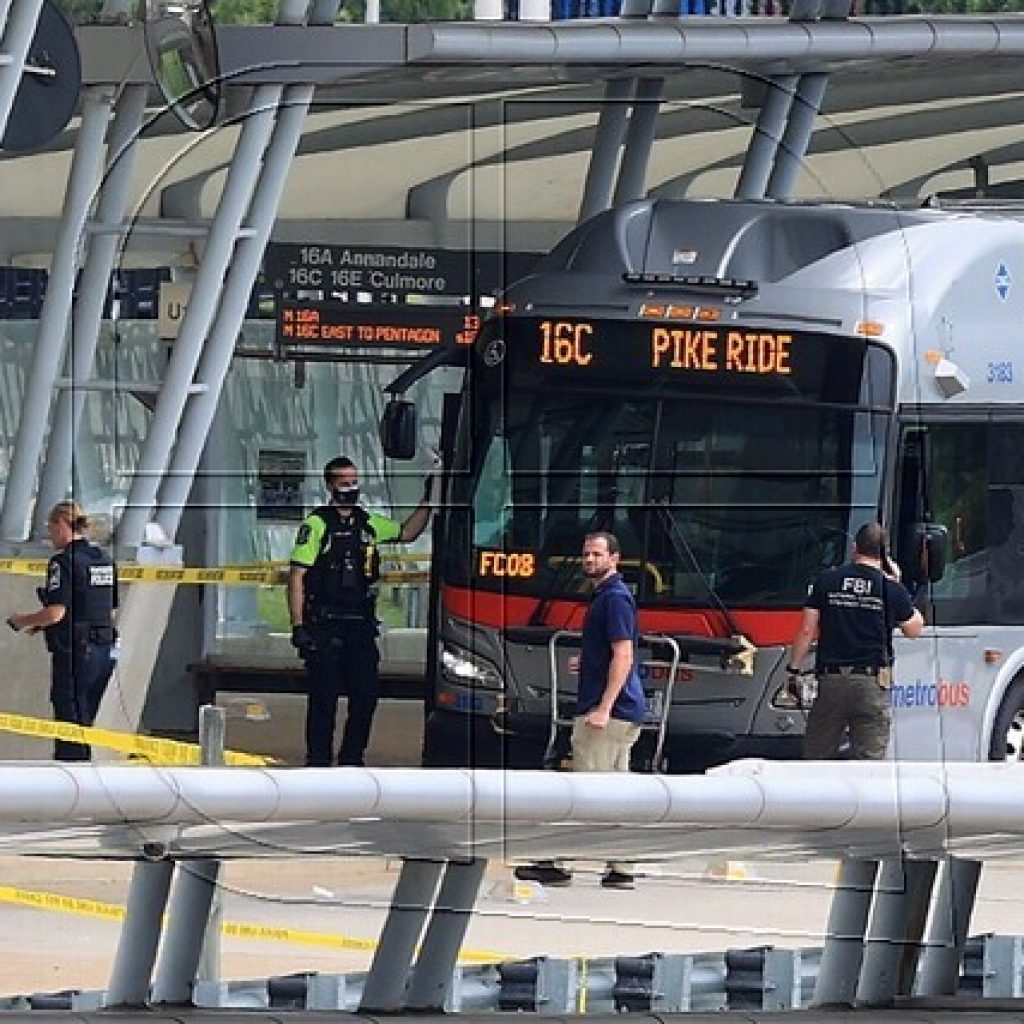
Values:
[(456, 739)]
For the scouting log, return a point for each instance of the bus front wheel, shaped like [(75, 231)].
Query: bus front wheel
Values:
[(1008, 730)]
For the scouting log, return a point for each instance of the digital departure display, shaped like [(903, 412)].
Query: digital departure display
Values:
[(349, 325)]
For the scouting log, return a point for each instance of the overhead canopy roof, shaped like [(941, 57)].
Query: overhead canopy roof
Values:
[(493, 123), (273, 53)]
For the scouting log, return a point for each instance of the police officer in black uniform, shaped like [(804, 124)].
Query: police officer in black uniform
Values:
[(332, 581), (852, 610), (78, 599)]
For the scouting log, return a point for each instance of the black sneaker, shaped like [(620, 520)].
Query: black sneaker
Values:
[(618, 880), (545, 874)]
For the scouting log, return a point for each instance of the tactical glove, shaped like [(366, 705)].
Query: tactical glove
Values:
[(302, 639)]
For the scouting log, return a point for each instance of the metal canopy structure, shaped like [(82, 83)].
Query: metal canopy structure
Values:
[(304, 52)]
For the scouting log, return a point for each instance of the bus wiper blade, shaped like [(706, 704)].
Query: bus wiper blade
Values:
[(742, 651)]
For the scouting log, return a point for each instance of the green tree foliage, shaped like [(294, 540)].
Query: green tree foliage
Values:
[(80, 12), (244, 12), (405, 11)]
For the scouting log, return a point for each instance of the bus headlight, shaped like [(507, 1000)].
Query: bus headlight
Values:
[(465, 669)]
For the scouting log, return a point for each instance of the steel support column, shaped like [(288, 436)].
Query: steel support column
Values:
[(636, 152), (18, 28), (5, 9), (220, 347), (604, 156), (843, 950), (901, 903), (187, 915), (48, 354), (227, 224), (947, 931), (87, 317), (220, 344), (440, 950), (171, 424), (384, 991), (140, 933), (796, 139), (768, 132)]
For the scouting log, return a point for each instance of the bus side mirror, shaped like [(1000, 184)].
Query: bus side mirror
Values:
[(932, 550), (398, 429)]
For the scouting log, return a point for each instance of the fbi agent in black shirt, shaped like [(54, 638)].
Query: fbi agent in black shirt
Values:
[(78, 598), (852, 611), (332, 602)]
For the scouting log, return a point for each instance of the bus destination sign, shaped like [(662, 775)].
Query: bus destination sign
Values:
[(695, 348), (347, 325)]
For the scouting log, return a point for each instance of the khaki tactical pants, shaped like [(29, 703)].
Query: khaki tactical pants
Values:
[(858, 704)]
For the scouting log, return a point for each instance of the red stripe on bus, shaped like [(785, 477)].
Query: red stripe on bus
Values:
[(763, 627)]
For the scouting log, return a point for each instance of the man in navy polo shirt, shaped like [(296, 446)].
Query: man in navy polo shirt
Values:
[(610, 698)]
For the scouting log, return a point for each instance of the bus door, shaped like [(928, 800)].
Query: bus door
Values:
[(961, 472)]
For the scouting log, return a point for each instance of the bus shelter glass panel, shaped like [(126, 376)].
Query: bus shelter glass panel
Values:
[(278, 426)]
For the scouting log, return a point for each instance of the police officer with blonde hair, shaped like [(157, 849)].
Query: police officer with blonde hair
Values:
[(76, 619)]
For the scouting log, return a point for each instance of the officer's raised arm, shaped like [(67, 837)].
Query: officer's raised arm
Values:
[(420, 516)]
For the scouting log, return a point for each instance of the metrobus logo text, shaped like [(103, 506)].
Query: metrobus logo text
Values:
[(690, 348), (648, 671), (931, 695)]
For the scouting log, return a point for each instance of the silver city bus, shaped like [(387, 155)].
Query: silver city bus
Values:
[(732, 388)]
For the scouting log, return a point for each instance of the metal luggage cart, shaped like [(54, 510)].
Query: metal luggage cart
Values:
[(658, 694)]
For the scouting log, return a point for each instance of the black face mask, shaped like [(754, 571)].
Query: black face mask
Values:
[(346, 496)]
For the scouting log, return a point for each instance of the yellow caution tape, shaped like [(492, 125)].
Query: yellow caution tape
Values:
[(153, 749), (271, 574), (232, 929), (23, 566), (56, 901)]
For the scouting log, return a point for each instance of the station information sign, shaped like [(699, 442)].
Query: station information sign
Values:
[(390, 270), (323, 325)]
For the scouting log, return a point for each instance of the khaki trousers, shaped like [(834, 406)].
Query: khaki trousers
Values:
[(604, 750), (857, 704)]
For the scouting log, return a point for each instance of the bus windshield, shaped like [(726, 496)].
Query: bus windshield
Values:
[(718, 491)]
